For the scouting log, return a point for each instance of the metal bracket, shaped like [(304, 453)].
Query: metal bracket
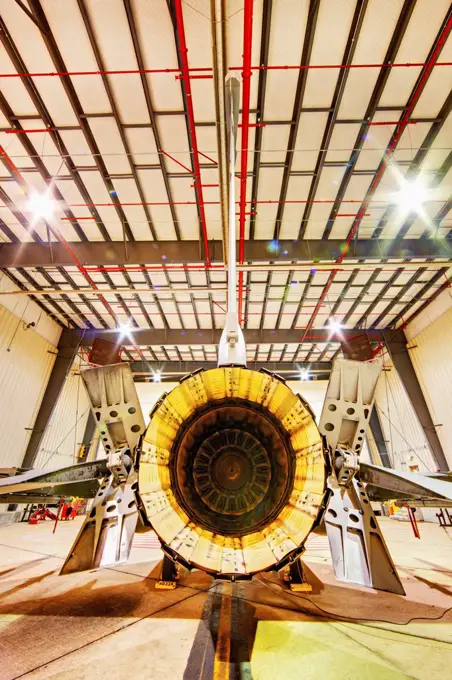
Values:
[(358, 549), (232, 348), (105, 538), (116, 463), (348, 404), (359, 552), (115, 406), (346, 465), (169, 574)]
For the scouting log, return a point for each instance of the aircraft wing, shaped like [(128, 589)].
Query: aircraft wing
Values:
[(414, 488), (42, 486)]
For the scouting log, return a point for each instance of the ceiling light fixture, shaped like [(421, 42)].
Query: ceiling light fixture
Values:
[(335, 326), (304, 374), (411, 196), (157, 377), (125, 330), (41, 205)]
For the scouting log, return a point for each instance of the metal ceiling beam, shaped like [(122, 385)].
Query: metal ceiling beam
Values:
[(98, 253), (372, 108), (173, 368), (261, 90), (352, 42), (114, 108), (413, 171), (150, 107), (71, 93), (403, 314), (55, 136), (311, 24), (155, 336)]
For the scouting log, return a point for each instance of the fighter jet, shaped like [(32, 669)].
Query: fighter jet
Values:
[(232, 472)]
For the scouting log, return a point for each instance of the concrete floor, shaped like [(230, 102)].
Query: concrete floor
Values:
[(112, 623)]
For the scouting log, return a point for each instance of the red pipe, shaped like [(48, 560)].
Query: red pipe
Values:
[(405, 120), (176, 161), (150, 268), (191, 122), (11, 166), (195, 77), (28, 132), (321, 201), (76, 219), (209, 186), (208, 158), (350, 215), (307, 67), (282, 67), (391, 122), (246, 84)]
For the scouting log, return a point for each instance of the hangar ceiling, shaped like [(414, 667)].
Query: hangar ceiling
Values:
[(114, 109)]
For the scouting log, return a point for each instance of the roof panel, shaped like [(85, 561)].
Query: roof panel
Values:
[(73, 43), (342, 142), (288, 25), (14, 90), (110, 145), (333, 25), (158, 49), (298, 189), (155, 192), (309, 138), (379, 22)]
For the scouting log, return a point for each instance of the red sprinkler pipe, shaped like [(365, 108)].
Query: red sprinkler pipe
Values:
[(208, 69), (246, 84), (191, 122), (404, 121), (294, 202)]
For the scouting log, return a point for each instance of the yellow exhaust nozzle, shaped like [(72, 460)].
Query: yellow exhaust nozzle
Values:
[(232, 471)]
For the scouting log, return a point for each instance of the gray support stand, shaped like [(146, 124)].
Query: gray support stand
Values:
[(358, 549), (67, 350), (396, 343), (377, 433), (106, 535)]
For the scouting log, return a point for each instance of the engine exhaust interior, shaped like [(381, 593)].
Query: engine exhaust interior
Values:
[(232, 472)]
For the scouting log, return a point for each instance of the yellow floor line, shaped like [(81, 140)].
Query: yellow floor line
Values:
[(223, 648)]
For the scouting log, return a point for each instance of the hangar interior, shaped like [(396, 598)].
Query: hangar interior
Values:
[(144, 203)]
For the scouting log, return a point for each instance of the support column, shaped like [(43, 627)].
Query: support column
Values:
[(396, 343), (90, 438), (67, 351), (377, 434), (89, 430)]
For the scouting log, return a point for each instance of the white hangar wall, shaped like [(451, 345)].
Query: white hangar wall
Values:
[(27, 356)]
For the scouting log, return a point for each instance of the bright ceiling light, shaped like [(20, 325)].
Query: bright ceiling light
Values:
[(125, 330), (41, 205), (304, 374), (157, 377), (411, 196), (335, 326)]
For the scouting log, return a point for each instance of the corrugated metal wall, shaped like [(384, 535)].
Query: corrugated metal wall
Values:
[(431, 354), (64, 433), (405, 439), (26, 361)]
